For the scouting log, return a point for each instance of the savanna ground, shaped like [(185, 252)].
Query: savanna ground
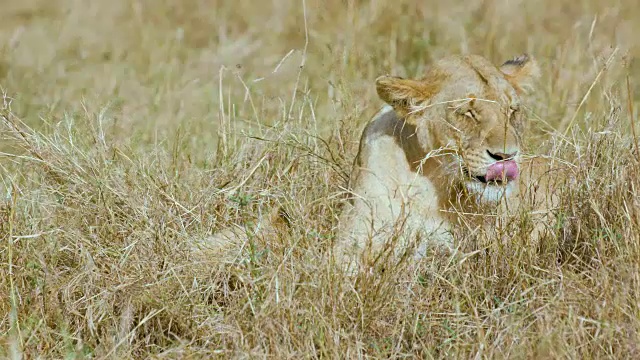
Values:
[(131, 131)]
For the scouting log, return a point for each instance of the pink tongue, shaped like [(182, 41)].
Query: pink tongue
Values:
[(503, 169)]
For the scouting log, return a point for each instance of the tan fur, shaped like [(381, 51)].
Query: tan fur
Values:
[(418, 155)]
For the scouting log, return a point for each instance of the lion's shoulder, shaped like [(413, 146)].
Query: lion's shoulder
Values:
[(384, 123), (387, 140)]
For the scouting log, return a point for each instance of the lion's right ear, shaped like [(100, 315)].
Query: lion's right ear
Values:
[(401, 93), (522, 72)]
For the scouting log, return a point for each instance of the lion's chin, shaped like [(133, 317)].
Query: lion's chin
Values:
[(487, 192)]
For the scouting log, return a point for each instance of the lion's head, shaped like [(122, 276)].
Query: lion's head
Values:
[(472, 111)]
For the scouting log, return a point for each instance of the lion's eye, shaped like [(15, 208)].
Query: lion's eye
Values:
[(512, 113), (513, 109), (471, 114)]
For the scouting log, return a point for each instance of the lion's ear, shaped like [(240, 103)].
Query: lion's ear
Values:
[(401, 93), (521, 71)]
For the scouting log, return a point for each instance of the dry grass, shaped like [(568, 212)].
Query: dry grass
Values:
[(132, 129)]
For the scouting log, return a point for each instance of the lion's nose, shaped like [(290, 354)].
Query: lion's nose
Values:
[(499, 156)]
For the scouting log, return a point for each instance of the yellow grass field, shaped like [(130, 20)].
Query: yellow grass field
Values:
[(133, 131)]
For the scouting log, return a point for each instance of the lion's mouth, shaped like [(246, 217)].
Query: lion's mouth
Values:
[(498, 173), (483, 179)]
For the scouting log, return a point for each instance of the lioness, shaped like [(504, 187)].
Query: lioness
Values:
[(451, 140)]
